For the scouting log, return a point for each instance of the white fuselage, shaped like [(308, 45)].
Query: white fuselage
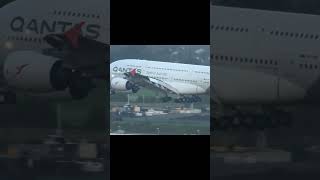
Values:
[(25, 23), (264, 56), (186, 78)]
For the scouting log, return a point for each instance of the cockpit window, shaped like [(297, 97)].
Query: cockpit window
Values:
[(5, 2)]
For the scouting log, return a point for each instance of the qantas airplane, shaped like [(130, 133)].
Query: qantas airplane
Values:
[(185, 80), (50, 48), (265, 58)]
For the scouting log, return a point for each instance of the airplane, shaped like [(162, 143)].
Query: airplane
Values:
[(264, 59), (53, 48), (184, 80)]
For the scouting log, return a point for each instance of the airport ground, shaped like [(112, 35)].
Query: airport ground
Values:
[(295, 151), (38, 135), (171, 123)]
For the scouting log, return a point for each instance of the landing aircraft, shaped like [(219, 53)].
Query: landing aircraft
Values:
[(263, 59), (53, 48), (184, 80)]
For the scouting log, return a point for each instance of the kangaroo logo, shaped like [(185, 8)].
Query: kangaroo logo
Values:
[(20, 68)]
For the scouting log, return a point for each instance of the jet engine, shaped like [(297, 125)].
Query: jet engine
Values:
[(32, 72), (121, 84)]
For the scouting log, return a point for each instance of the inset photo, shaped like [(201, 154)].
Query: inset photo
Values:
[(160, 90)]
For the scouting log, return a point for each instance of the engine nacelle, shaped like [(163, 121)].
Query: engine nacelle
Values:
[(33, 72), (121, 84)]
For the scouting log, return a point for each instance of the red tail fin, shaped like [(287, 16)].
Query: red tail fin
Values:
[(73, 35), (133, 72)]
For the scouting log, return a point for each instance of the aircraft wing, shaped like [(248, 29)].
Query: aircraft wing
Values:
[(150, 83), (79, 53)]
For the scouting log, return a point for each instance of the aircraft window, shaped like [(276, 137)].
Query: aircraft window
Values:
[(261, 61), (69, 13), (276, 63), (301, 35), (306, 36), (227, 28), (311, 36), (297, 35), (281, 33), (300, 65), (217, 57), (291, 34), (241, 29), (286, 34), (231, 29), (217, 28), (245, 60), (74, 14), (247, 30), (236, 59), (221, 57), (276, 33), (241, 60), (226, 58), (306, 65), (59, 12), (271, 32), (310, 66), (256, 61), (231, 58), (251, 60), (54, 12), (316, 37), (265, 61), (237, 29), (315, 66)]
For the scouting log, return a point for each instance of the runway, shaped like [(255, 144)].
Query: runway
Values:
[(302, 139)]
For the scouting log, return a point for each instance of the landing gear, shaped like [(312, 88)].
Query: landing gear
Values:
[(184, 99), (135, 88), (131, 86)]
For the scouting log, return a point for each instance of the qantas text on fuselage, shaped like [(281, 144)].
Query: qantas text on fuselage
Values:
[(21, 24)]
